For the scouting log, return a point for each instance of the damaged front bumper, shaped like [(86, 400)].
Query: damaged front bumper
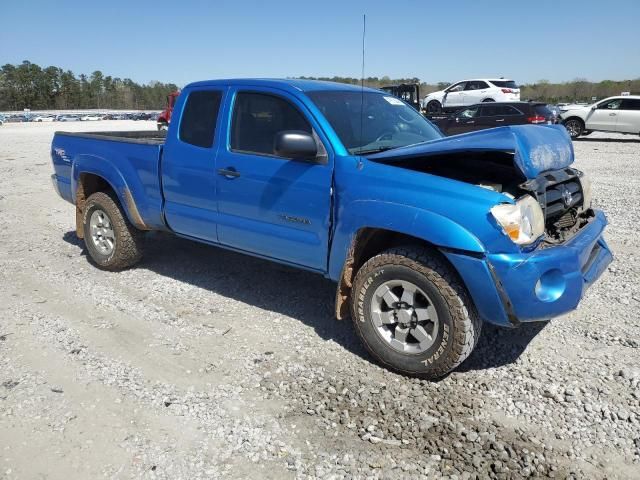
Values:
[(523, 287)]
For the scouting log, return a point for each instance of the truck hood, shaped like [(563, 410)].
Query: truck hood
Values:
[(535, 148)]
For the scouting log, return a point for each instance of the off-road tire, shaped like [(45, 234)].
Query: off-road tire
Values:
[(129, 240), (460, 325), (434, 106)]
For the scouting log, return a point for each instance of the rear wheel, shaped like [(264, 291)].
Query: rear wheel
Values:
[(434, 106), (574, 127), (412, 314), (112, 242)]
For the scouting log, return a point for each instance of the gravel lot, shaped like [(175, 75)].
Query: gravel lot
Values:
[(201, 363)]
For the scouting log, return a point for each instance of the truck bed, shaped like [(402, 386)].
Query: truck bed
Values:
[(128, 161), (145, 137)]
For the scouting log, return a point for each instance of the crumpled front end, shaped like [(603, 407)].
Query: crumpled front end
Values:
[(509, 288)]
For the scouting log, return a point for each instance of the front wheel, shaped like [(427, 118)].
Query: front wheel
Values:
[(574, 127), (112, 241), (412, 314)]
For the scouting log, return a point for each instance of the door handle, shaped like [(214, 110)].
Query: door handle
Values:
[(229, 172), (471, 121), (612, 114), (500, 120)]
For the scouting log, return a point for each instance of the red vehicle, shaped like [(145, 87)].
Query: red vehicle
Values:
[(165, 116)]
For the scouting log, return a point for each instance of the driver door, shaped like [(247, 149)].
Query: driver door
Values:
[(269, 205), (604, 116), (454, 95)]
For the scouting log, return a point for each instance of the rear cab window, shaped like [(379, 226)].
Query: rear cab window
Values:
[(199, 117)]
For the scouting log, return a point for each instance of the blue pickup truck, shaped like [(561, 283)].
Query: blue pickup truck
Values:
[(426, 237)]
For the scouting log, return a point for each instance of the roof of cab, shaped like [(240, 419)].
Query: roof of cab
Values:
[(284, 84)]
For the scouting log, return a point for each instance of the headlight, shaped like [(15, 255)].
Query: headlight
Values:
[(522, 222), (585, 183)]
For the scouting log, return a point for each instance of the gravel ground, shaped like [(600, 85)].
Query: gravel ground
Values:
[(201, 363)]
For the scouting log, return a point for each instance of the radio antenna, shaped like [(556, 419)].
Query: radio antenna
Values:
[(364, 31)]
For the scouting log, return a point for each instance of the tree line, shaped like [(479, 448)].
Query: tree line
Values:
[(577, 90), (28, 85)]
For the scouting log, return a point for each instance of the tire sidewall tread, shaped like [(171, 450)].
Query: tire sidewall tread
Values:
[(459, 323), (128, 239)]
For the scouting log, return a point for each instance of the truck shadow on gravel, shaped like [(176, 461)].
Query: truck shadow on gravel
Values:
[(298, 294)]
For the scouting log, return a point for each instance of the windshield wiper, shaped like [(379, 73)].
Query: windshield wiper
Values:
[(373, 150)]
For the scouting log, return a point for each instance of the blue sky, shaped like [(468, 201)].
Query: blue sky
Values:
[(183, 41)]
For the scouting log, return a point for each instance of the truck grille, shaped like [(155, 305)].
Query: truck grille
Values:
[(561, 202), (559, 194)]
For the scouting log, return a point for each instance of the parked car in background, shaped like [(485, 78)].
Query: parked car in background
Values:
[(2, 119), (614, 114), (43, 118), (17, 119), (92, 117), (469, 92), (490, 115), (67, 118)]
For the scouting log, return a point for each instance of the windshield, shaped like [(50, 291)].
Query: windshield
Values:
[(381, 123)]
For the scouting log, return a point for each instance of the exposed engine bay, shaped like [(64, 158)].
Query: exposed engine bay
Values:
[(563, 194)]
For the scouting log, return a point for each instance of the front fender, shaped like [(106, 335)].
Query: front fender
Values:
[(424, 224)]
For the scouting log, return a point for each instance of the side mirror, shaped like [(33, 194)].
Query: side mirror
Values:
[(295, 144), (594, 107)]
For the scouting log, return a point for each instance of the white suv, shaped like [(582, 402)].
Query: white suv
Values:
[(613, 114), (469, 92)]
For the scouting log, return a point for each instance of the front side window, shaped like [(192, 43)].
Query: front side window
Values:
[(382, 122), (257, 119), (611, 104), (469, 112), (199, 117), (457, 88)]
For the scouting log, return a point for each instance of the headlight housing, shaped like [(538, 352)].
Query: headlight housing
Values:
[(585, 184), (522, 222)]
